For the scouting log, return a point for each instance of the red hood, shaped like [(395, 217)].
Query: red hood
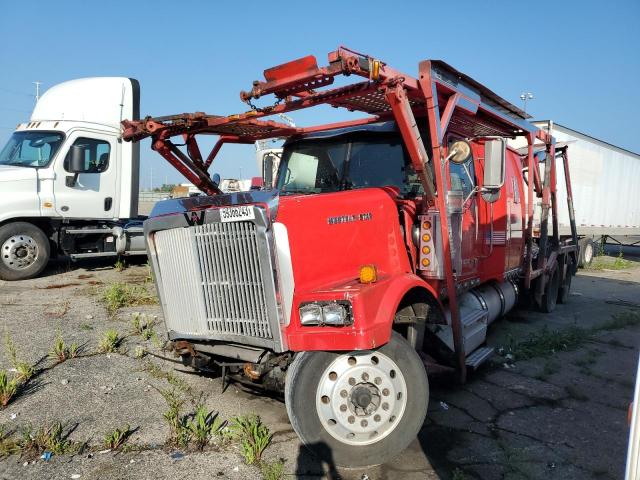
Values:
[(332, 235)]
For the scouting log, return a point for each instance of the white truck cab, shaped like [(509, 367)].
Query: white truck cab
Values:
[(68, 184)]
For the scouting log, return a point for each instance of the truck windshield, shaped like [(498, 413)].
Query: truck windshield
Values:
[(31, 149), (348, 162)]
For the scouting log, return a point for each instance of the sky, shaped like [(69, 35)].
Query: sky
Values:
[(579, 58)]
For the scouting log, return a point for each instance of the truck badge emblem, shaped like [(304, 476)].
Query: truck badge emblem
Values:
[(358, 217), (194, 218)]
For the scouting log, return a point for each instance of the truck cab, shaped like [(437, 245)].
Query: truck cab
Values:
[(50, 205)]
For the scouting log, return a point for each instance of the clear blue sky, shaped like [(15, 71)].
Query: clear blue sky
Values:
[(581, 59)]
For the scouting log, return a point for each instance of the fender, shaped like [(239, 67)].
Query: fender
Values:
[(373, 307)]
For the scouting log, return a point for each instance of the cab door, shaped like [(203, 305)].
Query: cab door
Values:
[(91, 194), (463, 186)]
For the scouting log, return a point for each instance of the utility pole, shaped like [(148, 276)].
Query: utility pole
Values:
[(151, 179), (37, 84), (524, 96)]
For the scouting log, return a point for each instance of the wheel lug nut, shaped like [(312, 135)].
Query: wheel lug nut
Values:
[(365, 376), (377, 381), (385, 406), (343, 393), (351, 419), (385, 392), (352, 381), (343, 408), (364, 423), (376, 418)]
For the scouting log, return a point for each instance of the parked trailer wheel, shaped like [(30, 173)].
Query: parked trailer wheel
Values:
[(24, 251), (587, 252), (362, 408), (551, 291)]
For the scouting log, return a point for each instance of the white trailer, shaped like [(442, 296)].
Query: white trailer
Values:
[(68, 184), (605, 181)]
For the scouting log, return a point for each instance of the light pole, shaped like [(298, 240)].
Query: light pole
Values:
[(524, 96), (37, 84)]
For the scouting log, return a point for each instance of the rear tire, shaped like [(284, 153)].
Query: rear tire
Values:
[(551, 292), (340, 403), (24, 251), (565, 288)]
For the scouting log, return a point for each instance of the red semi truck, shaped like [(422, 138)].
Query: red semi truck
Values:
[(389, 244)]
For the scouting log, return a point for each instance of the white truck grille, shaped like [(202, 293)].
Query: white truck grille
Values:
[(212, 282)]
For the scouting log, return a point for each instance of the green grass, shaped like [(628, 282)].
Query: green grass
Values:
[(120, 265), (8, 388), (8, 446), (24, 369), (548, 342), (253, 435), (604, 262), (118, 295), (272, 470), (60, 351), (50, 438), (116, 438), (204, 426), (110, 341)]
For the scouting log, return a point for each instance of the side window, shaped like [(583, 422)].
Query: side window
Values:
[(96, 154), (462, 175)]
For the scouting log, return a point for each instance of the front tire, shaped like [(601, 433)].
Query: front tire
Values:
[(24, 251), (364, 407)]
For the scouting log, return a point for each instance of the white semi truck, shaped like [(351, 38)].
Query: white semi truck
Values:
[(68, 183)]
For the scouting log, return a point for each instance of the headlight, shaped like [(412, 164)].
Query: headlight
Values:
[(311, 314), (326, 313)]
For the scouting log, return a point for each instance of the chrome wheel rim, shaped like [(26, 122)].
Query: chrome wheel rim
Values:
[(19, 252), (361, 397)]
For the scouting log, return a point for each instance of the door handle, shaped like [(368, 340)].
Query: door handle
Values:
[(107, 203)]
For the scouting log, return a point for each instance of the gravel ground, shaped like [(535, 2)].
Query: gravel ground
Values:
[(556, 415)]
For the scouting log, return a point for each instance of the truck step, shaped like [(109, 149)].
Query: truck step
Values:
[(470, 317), (478, 357)]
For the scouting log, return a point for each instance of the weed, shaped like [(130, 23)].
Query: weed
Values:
[(139, 352), (629, 318), (51, 438), (8, 388), (272, 470), (608, 263), (24, 369), (253, 435), (143, 325), (120, 265), (8, 446), (550, 367), (548, 342), (86, 326), (115, 439), (204, 426), (458, 474), (149, 278), (61, 351), (118, 295), (110, 341)]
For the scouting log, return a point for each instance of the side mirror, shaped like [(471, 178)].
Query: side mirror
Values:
[(76, 159), (267, 170), (216, 178), (495, 153)]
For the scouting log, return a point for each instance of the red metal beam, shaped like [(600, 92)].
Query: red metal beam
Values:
[(441, 170)]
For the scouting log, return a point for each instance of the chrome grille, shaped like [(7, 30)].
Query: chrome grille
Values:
[(214, 283), (232, 283)]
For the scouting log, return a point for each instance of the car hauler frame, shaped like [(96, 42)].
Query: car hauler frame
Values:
[(438, 101)]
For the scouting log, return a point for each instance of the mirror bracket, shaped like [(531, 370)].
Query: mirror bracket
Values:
[(71, 180)]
